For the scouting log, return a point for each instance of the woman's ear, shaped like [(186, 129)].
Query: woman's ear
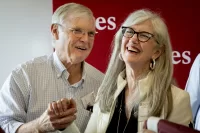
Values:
[(54, 31), (157, 52)]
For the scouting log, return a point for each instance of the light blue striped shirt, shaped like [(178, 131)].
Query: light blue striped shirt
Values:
[(30, 87), (193, 88)]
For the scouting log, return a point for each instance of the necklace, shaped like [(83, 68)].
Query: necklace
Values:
[(120, 110)]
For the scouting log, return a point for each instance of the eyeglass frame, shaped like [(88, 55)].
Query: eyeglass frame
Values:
[(137, 33), (82, 32)]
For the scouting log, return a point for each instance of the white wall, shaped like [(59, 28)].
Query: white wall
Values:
[(24, 32)]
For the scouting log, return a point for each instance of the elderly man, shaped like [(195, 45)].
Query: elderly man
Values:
[(43, 94)]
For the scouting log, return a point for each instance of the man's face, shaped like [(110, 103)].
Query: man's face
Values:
[(75, 39)]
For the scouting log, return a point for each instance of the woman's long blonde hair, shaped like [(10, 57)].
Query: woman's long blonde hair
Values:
[(160, 89)]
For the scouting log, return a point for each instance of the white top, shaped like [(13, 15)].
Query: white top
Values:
[(181, 110)]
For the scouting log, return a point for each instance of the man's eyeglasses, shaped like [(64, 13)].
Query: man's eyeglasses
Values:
[(141, 36), (78, 32)]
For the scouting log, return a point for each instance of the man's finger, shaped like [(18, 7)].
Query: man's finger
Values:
[(65, 103), (72, 103), (55, 108), (60, 107)]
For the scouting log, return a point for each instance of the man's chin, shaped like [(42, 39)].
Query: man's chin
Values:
[(77, 60)]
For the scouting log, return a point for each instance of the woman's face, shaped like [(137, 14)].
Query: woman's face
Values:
[(140, 49)]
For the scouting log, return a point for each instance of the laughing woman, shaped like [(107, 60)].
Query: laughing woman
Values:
[(138, 81)]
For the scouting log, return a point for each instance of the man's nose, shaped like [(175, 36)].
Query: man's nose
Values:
[(85, 37)]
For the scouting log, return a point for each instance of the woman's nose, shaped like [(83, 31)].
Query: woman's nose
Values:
[(134, 38)]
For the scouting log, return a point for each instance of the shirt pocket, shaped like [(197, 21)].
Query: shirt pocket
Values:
[(82, 118)]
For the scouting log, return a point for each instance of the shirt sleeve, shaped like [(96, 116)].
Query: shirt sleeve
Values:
[(12, 98), (193, 86)]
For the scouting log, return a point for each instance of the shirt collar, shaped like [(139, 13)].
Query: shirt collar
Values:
[(60, 68)]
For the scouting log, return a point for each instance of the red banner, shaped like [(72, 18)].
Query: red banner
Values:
[(182, 19)]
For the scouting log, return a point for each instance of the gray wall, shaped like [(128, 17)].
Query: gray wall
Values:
[(24, 32)]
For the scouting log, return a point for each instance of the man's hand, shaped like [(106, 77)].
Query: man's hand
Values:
[(59, 115)]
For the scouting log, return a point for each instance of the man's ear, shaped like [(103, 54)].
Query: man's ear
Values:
[(54, 31)]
